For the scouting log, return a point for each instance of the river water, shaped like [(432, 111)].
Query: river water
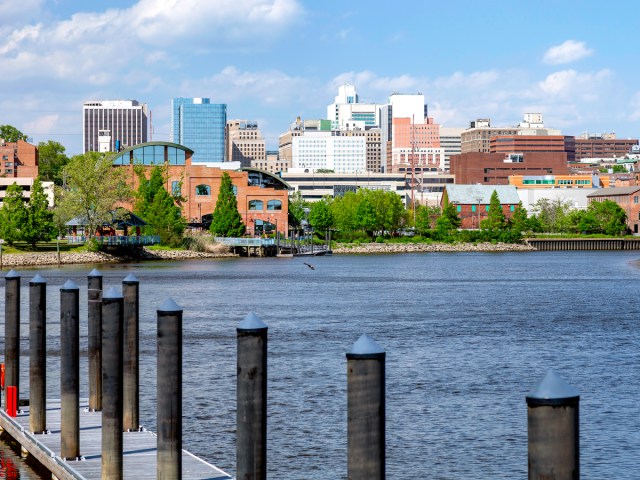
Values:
[(467, 336)]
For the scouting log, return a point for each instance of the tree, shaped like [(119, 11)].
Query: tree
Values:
[(11, 134), (226, 221), (51, 161), (94, 188), (448, 222), (495, 223), (553, 215), (426, 217), (12, 214), (320, 216), (520, 220), (344, 211), (297, 204), (605, 217), (147, 189), (38, 223)]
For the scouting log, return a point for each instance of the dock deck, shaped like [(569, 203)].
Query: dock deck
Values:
[(139, 448)]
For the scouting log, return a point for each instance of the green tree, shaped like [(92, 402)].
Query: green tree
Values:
[(619, 169), (426, 217), (553, 215), (520, 220), (297, 204), (448, 223), (365, 218), (51, 161), (344, 210), (38, 223), (226, 221), (320, 216), (495, 223), (12, 214), (147, 189), (93, 189), (606, 217), (11, 134)]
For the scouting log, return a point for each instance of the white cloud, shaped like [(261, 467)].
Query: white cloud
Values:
[(43, 125), (569, 83), (567, 52), (16, 12)]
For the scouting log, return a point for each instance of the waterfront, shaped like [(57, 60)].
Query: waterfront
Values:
[(467, 335)]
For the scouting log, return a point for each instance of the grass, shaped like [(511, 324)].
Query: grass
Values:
[(23, 247)]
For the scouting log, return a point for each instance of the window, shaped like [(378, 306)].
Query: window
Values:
[(459, 208), (512, 208), (203, 190), (635, 199), (176, 188), (256, 205), (274, 205), (473, 208)]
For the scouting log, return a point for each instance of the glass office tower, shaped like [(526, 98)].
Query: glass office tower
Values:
[(199, 124)]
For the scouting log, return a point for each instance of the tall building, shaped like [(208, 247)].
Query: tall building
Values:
[(322, 150), (244, 143), (200, 125), (347, 108), (110, 125), (450, 141), (534, 143), (603, 146), (18, 159)]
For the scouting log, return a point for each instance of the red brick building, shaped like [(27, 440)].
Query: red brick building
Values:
[(472, 202), (18, 159), (603, 147), (263, 198), (495, 168), (627, 197), (534, 143)]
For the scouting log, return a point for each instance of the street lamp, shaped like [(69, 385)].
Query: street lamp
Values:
[(58, 248), (1, 242), (479, 200)]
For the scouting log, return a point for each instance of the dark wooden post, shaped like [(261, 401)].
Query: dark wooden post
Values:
[(130, 292), (12, 332), (37, 354), (553, 430), (251, 436), (112, 320), (70, 371), (94, 340), (366, 410), (169, 391)]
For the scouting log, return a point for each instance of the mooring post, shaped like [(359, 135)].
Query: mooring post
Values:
[(112, 350), (169, 386), (37, 354), (94, 340), (70, 371), (12, 332), (131, 294), (251, 436), (553, 430), (366, 410)]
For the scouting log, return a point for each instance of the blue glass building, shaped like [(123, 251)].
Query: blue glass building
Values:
[(199, 125)]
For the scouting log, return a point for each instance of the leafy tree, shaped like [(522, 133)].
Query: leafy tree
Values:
[(12, 214), (619, 169), (365, 218), (344, 211), (147, 189), (297, 204), (426, 217), (495, 223), (320, 216), (553, 215), (389, 210), (520, 220), (11, 134), (226, 221), (51, 161), (606, 217), (94, 188), (448, 222), (38, 223)]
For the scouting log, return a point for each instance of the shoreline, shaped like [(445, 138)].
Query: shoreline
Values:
[(376, 248)]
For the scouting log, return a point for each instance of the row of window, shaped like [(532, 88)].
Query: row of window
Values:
[(259, 205)]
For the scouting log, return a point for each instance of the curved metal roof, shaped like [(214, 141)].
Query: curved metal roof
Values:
[(150, 144), (268, 174)]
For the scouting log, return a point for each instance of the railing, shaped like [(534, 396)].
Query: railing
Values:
[(117, 240), (245, 242)]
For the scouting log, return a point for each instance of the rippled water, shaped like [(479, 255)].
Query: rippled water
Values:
[(467, 336)]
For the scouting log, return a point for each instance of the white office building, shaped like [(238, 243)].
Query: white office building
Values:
[(109, 125), (325, 150), (347, 108)]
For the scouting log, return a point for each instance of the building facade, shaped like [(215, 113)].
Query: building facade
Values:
[(27, 185), (18, 159), (347, 108), (629, 200), (272, 163), (554, 181), (263, 199), (325, 151), (450, 142), (200, 125), (495, 168), (534, 143), (603, 147), (244, 143), (472, 202), (110, 125)]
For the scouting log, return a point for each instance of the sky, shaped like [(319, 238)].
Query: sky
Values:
[(576, 62)]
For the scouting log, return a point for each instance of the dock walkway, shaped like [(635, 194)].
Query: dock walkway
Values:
[(139, 448)]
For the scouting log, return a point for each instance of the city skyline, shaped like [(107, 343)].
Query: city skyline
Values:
[(273, 60)]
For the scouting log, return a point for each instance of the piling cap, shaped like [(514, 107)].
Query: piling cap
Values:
[(94, 273), (553, 390), (12, 274), (69, 285), (169, 306), (111, 294), (364, 348), (251, 323), (37, 279), (131, 278)]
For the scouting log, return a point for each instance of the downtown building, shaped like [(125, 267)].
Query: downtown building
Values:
[(244, 143), (200, 125), (111, 125)]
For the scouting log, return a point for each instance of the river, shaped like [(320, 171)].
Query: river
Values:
[(467, 336)]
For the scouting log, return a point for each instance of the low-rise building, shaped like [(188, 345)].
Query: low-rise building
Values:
[(627, 197), (26, 184), (18, 159), (472, 202), (554, 181)]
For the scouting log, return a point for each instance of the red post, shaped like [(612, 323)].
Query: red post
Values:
[(12, 401), (2, 375)]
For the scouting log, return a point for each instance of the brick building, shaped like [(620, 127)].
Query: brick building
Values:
[(263, 200), (472, 202), (495, 168), (627, 197), (18, 159), (603, 147), (534, 143)]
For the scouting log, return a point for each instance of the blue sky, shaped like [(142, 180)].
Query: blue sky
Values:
[(272, 60)]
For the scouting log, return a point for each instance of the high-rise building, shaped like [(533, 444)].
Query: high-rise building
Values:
[(604, 145), (244, 143), (347, 108), (200, 125), (110, 125), (450, 141)]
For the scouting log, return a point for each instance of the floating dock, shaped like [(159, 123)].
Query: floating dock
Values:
[(139, 448)]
